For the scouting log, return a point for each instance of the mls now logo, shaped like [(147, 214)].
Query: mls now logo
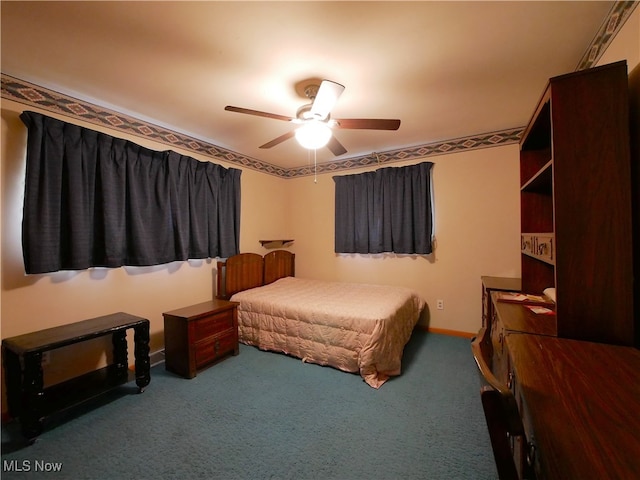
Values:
[(30, 466)]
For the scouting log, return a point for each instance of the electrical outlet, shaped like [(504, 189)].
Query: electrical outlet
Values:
[(440, 304), (46, 358)]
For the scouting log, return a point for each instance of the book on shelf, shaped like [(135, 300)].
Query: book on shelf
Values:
[(525, 299)]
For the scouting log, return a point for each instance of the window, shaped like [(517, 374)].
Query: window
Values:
[(388, 210), (92, 200)]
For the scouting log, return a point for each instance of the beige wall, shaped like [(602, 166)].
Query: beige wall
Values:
[(626, 44)]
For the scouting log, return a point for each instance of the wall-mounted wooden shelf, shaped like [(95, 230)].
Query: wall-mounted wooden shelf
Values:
[(275, 243)]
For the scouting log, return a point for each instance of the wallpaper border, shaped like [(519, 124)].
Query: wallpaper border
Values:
[(618, 15), (33, 95)]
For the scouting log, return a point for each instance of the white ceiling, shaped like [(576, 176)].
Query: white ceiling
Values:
[(446, 69)]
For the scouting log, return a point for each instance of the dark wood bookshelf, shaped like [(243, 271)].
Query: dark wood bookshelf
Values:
[(575, 188)]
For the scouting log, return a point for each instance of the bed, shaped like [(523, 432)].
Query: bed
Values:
[(358, 328)]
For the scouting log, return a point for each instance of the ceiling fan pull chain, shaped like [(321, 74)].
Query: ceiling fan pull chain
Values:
[(315, 166)]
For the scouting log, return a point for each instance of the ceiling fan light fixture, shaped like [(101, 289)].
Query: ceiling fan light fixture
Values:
[(313, 135), (315, 122)]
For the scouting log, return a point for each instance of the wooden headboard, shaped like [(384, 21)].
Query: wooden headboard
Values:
[(250, 270)]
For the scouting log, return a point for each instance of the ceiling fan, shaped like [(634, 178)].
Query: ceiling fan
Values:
[(315, 122)]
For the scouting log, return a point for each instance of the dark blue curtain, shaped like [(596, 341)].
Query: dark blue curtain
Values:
[(92, 200), (388, 210)]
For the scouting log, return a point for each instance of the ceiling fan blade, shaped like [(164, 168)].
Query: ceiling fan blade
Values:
[(326, 99), (369, 123), (258, 113), (335, 146), (280, 139)]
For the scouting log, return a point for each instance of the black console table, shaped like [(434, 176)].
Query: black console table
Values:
[(27, 398)]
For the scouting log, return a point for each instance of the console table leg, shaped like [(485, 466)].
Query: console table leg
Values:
[(31, 412), (120, 363), (141, 350), (13, 380)]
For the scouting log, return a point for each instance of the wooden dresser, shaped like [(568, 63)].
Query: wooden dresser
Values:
[(574, 373), (580, 405), (199, 335), (495, 284), (579, 401), (513, 318)]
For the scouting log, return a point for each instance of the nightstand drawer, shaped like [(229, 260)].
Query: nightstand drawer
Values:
[(212, 325), (213, 347)]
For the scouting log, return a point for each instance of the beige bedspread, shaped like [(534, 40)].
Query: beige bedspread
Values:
[(354, 327)]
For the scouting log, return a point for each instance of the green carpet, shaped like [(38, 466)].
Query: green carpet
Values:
[(263, 415)]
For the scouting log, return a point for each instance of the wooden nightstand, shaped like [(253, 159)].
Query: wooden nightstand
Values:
[(199, 335)]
